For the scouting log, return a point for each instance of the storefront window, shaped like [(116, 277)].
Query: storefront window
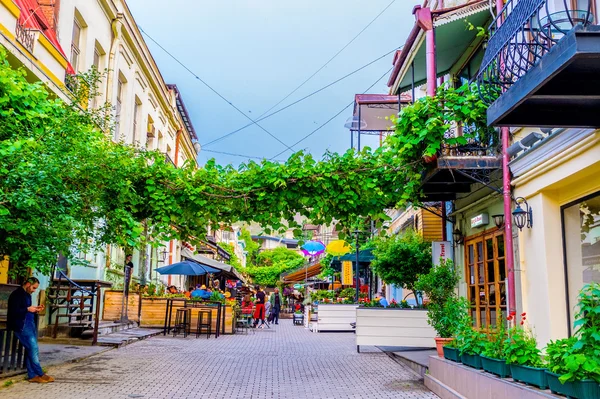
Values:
[(486, 272), (581, 224)]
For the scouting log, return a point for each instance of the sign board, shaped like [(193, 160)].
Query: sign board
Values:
[(347, 272), (441, 250), (480, 220)]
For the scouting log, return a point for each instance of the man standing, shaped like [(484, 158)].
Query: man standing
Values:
[(276, 301), (21, 320)]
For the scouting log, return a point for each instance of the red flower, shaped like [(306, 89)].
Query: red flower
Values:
[(513, 313), (509, 318), (522, 322), (523, 314)]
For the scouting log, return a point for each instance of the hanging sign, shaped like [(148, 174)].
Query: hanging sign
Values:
[(441, 250), (347, 272), (480, 220)]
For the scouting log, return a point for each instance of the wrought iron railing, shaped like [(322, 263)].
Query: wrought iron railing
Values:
[(521, 35), (25, 36), (480, 142)]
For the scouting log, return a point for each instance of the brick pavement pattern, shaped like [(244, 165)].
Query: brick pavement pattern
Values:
[(286, 361)]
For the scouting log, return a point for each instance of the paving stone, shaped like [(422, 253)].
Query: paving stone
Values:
[(286, 361)]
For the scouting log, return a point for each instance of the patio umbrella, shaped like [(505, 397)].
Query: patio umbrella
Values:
[(313, 248), (187, 268), (338, 248)]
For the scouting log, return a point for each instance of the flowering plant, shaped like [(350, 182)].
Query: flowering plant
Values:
[(495, 346), (521, 345)]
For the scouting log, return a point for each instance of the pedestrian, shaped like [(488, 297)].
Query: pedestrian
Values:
[(267, 310), (21, 320), (259, 313), (276, 302)]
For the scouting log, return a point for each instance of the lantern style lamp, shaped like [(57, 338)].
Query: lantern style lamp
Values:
[(499, 220), (458, 236), (522, 217), (162, 256)]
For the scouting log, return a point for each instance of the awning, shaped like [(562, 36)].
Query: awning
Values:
[(452, 41), (364, 256), (302, 274), (377, 111), (203, 260)]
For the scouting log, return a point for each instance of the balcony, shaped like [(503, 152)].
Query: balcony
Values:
[(457, 167), (545, 57)]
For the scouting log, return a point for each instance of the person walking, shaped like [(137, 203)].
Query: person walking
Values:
[(21, 320), (259, 312), (276, 302)]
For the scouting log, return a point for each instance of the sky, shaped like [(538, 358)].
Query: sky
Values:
[(255, 52)]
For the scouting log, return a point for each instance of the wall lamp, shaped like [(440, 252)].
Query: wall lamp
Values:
[(457, 236), (499, 220), (522, 217), (162, 256)]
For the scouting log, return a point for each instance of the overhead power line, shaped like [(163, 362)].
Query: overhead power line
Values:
[(299, 100), (334, 116), (213, 90), (331, 59), (237, 155)]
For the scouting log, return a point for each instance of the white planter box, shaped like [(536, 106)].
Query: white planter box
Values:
[(336, 317), (393, 327)]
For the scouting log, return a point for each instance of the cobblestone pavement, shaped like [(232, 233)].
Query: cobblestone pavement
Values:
[(284, 362)]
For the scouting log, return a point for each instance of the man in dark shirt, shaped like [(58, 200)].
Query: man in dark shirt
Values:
[(21, 320), (276, 301)]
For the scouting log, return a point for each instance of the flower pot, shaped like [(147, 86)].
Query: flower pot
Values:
[(495, 366), (439, 345), (529, 375), (471, 360), (451, 354), (430, 158), (587, 389), (567, 389)]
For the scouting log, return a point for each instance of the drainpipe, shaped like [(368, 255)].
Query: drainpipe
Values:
[(116, 26), (177, 137), (425, 22), (506, 188)]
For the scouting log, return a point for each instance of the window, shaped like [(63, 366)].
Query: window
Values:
[(486, 274), (150, 133), (580, 10), (120, 84), (75, 45), (581, 236)]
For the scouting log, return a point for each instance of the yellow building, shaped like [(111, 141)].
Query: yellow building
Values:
[(559, 177)]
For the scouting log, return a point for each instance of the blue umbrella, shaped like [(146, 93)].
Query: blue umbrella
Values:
[(313, 247), (187, 268)]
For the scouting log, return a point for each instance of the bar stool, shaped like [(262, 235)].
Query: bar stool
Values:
[(183, 319), (207, 325)]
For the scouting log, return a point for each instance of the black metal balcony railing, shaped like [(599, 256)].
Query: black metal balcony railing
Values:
[(522, 34), (25, 37), (479, 143)]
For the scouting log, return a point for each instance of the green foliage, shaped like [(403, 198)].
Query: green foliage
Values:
[(68, 187), (250, 246), (495, 346), (347, 293), (401, 259), (234, 260), (271, 264), (578, 357), (444, 309), (471, 341), (521, 346)]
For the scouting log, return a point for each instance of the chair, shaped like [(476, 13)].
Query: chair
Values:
[(245, 322), (207, 325), (183, 319)]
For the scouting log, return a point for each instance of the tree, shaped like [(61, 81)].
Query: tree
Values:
[(401, 259), (66, 186), (271, 263)]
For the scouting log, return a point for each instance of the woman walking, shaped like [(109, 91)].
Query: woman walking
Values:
[(259, 312)]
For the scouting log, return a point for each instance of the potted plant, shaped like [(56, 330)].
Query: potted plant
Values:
[(443, 309), (471, 344), (493, 356), (574, 363), (451, 351), (452, 348), (524, 356)]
